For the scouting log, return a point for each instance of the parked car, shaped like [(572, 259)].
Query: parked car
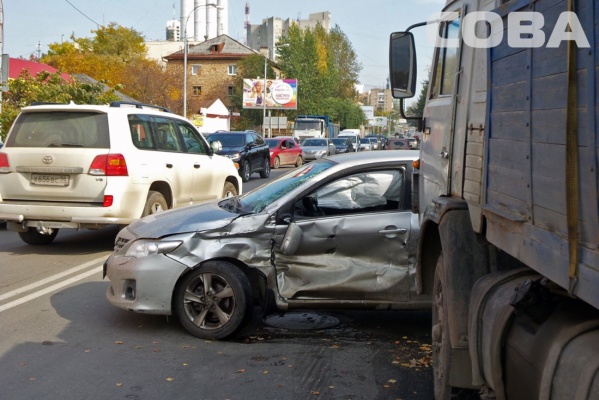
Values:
[(315, 148), (87, 166), (284, 150), (247, 149), (343, 145), (398, 144), (365, 144), (338, 232)]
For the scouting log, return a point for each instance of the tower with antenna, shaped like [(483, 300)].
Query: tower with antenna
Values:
[(246, 24)]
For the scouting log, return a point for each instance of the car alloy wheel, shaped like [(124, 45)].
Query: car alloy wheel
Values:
[(213, 300)]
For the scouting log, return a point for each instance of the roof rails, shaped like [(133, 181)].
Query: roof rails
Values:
[(46, 103), (138, 105)]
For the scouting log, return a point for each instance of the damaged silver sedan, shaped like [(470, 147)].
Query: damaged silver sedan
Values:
[(335, 233)]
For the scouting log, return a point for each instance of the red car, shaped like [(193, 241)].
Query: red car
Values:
[(284, 150)]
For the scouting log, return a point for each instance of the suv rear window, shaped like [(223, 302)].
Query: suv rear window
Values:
[(60, 129)]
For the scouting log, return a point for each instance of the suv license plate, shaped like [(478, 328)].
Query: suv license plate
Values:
[(50, 180)]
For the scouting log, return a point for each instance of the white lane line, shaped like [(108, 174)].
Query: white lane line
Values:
[(49, 289), (52, 278)]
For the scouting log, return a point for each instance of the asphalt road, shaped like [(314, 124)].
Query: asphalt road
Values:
[(61, 339)]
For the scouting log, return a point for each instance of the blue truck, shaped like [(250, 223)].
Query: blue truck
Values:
[(507, 193)]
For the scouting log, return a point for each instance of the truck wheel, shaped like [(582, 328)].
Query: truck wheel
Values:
[(155, 203), (34, 237), (214, 300), (440, 335)]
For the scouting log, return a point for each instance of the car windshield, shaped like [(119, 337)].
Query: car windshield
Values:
[(256, 200), (272, 143), (340, 142), (314, 142), (365, 140), (228, 139)]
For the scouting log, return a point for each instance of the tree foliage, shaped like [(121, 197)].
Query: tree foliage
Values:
[(325, 65), (116, 56), (417, 109), (47, 87)]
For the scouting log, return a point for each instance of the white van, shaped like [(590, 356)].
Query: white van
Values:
[(353, 136)]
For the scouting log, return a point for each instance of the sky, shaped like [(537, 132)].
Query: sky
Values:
[(30, 25)]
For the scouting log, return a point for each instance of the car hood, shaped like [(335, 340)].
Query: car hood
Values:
[(313, 148), (186, 219), (230, 150)]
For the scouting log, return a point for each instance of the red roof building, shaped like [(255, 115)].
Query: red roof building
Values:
[(17, 65)]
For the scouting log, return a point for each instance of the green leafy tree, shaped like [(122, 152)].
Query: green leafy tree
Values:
[(325, 65), (47, 87), (417, 109)]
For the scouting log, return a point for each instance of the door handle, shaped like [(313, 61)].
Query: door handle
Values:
[(169, 165), (444, 154), (196, 166), (391, 231)]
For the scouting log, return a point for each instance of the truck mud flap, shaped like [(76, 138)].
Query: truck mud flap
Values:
[(489, 316)]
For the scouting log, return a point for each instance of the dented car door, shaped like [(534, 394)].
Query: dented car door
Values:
[(350, 240)]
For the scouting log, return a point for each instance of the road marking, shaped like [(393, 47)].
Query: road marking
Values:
[(52, 278), (52, 288)]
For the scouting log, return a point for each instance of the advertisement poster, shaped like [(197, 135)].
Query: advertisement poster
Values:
[(281, 94)]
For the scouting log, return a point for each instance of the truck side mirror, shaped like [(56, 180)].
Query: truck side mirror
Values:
[(402, 64)]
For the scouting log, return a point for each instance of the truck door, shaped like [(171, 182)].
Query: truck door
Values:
[(439, 114)]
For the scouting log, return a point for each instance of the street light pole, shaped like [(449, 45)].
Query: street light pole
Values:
[(185, 45), (264, 88)]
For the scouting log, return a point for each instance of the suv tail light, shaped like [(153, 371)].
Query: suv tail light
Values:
[(109, 165), (4, 166)]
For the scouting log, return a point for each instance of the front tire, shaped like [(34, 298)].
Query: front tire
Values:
[(213, 301), (246, 171), (265, 173), (440, 335), (229, 190), (276, 163), (155, 203), (299, 161), (33, 237)]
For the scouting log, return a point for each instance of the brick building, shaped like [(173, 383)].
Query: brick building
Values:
[(211, 70)]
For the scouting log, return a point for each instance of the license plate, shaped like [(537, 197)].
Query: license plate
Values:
[(49, 180)]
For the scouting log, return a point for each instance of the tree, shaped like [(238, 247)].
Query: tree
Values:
[(116, 56), (47, 87), (417, 109), (325, 66)]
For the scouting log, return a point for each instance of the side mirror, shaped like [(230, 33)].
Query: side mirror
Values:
[(402, 64), (216, 146), (291, 240)]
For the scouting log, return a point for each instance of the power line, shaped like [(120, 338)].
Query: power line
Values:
[(81, 12)]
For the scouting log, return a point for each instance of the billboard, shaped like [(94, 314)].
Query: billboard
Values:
[(281, 94)]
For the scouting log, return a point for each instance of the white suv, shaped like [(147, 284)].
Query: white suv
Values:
[(86, 166)]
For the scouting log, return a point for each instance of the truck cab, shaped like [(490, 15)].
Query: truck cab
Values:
[(508, 195)]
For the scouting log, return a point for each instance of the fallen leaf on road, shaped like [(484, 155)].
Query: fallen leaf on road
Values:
[(392, 381), (119, 384), (240, 370), (170, 379)]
